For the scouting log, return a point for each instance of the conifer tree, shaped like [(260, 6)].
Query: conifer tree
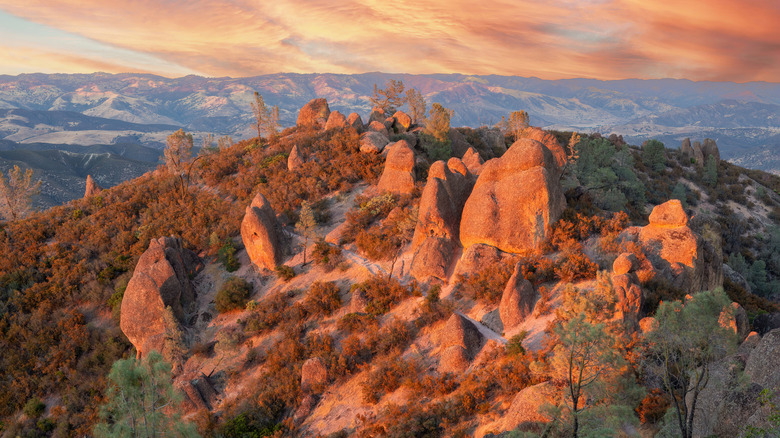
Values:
[(306, 226), (390, 97)]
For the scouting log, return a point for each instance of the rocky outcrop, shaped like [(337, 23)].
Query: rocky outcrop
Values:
[(378, 127), (473, 161), (550, 141), (698, 155), (314, 114), (373, 142), (517, 301), (626, 285), (762, 364), (294, 160), (161, 280), (459, 144), (336, 120), (686, 150), (710, 149), (354, 120), (460, 341), (398, 174), (524, 413), (736, 320), (476, 258), (314, 375), (438, 221), (92, 187), (377, 115), (259, 231), (493, 139), (515, 200), (678, 254)]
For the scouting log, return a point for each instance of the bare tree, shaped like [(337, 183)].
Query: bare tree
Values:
[(390, 97), (417, 105), (178, 155), (518, 122), (266, 119), (16, 192)]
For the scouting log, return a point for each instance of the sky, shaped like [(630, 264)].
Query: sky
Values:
[(718, 40)]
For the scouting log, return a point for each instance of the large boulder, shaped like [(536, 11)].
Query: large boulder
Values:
[(259, 231), (681, 256), (686, 150), (761, 366), (460, 341), (398, 174), (476, 258), (524, 413), (92, 187), (515, 200), (517, 301), (698, 154), (550, 141), (294, 160), (373, 142), (458, 142), (493, 139), (378, 127), (314, 375), (161, 280), (354, 120), (336, 120), (402, 121), (377, 115), (438, 221), (473, 161), (314, 114)]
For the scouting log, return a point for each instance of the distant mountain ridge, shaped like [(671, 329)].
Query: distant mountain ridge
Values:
[(743, 118)]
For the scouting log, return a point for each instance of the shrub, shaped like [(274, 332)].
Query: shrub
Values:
[(386, 377), (488, 284), (576, 266), (284, 272), (233, 294), (323, 298), (382, 293), (268, 314), (358, 322), (227, 256), (34, 408), (326, 255)]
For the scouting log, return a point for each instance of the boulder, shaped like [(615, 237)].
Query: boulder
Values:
[(402, 121), (373, 142), (358, 301), (390, 124), (377, 115), (710, 149), (550, 141), (438, 220), (454, 359), (354, 120), (314, 114), (736, 278), (680, 256), (735, 319), (294, 160), (523, 414), (766, 322), (460, 331), (624, 264), (476, 257), (336, 120), (473, 161), (517, 301), (314, 375), (378, 127), (494, 139), (515, 200), (459, 143), (161, 280), (647, 324), (698, 154), (761, 366), (398, 174), (92, 187), (259, 231)]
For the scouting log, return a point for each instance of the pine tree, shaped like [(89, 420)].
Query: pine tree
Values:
[(306, 226), (390, 97)]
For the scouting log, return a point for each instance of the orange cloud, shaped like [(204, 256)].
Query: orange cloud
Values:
[(606, 39)]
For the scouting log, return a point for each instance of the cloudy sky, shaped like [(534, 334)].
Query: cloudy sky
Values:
[(730, 40)]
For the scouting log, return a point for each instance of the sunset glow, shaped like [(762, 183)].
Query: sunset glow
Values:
[(728, 40)]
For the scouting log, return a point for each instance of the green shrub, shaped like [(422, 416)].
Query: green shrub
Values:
[(34, 408), (227, 256), (326, 255), (233, 294), (285, 272)]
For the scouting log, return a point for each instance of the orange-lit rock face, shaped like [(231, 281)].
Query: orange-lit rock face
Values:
[(258, 231), (398, 174), (314, 114), (515, 200), (517, 301)]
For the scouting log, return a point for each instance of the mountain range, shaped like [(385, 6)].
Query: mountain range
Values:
[(100, 108)]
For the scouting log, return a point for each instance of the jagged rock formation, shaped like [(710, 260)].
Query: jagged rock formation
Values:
[(259, 233), (160, 281), (698, 155), (685, 148), (710, 149), (398, 174), (676, 253), (438, 221), (460, 341), (517, 301), (373, 142), (336, 120), (515, 200), (700, 151), (473, 161), (354, 120), (314, 114), (92, 187), (294, 160)]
